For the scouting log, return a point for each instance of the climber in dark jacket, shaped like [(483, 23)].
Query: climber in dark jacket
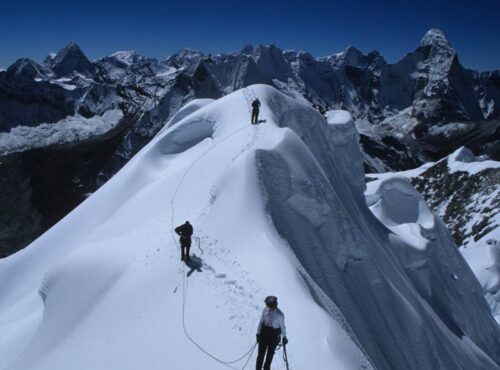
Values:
[(255, 111), (185, 231)]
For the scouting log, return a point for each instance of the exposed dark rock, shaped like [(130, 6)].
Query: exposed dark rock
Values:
[(71, 59), (39, 187), (26, 102), (454, 196)]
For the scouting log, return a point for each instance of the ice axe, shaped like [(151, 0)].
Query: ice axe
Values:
[(285, 357)]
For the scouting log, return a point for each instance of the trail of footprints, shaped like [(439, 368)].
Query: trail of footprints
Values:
[(236, 289)]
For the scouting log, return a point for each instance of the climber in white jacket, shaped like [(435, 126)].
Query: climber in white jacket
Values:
[(271, 328)]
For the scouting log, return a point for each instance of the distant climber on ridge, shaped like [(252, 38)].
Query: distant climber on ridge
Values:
[(185, 231), (271, 328), (255, 111)]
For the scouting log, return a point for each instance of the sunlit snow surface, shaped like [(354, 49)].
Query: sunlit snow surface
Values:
[(279, 209)]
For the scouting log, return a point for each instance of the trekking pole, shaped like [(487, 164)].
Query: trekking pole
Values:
[(285, 357)]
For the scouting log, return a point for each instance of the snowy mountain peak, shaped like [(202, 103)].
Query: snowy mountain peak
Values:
[(352, 56), (71, 49), (126, 56), (185, 58), (349, 57), (187, 53), (351, 50), (271, 61), (71, 59), (72, 46), (247, 49), (270, 52), (435, 38), (262, 48), (25, 67)]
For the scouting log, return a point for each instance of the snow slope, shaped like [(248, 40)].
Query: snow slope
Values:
[(484, 259), (278, 209)]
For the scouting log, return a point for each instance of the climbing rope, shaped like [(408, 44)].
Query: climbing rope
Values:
[(226, 363), (198, 242), (250, 352)]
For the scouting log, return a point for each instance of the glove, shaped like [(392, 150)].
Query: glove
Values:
[(285, 341), (258, 338)]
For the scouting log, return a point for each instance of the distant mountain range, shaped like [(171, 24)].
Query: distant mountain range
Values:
[(54, 149)]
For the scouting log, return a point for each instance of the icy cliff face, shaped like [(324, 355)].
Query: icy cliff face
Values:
[(279, 209)]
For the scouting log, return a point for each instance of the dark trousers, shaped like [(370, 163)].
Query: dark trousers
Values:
[(185, 246), (255, 116), (268, 342)]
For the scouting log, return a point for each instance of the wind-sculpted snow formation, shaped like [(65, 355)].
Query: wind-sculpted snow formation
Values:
[(464, 191), (279, 209)]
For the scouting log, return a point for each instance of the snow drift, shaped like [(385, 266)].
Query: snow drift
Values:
[(278, 209)]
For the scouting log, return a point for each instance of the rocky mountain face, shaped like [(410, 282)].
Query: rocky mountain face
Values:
[(408, 113), (467, 199), (70, 59)]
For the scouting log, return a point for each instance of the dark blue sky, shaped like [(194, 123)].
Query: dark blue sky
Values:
[(154, 28)]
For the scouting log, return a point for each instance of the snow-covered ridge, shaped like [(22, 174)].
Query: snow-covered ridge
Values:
[(435, 37), (464, 160), (69, 130), (126, 56), (279, 209)]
